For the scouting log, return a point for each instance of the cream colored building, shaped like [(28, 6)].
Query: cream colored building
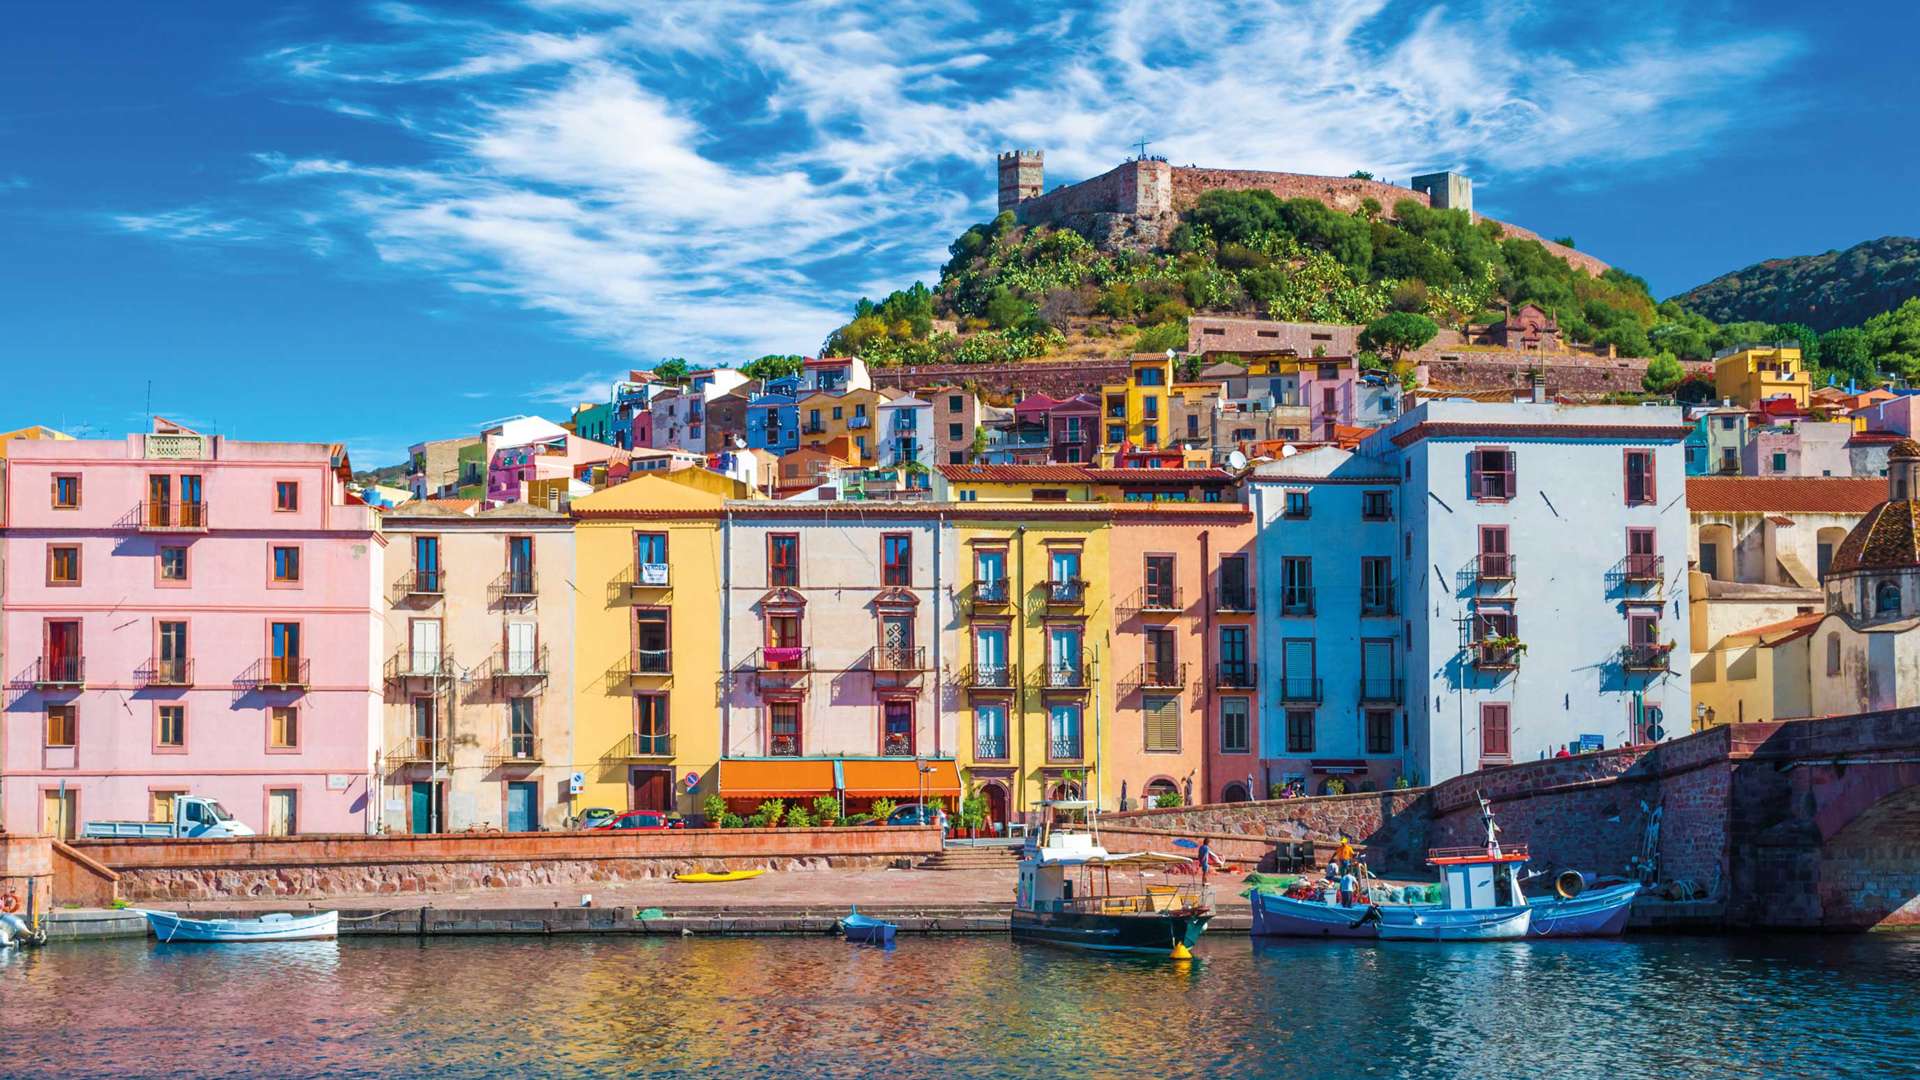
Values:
[(477, 668)]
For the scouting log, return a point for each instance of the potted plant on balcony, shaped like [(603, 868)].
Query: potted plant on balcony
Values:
[(1502, 648)]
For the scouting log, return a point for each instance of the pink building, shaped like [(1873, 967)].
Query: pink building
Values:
[(186, 614)]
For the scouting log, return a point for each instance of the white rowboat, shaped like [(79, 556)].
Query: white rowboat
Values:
[(318, 926)]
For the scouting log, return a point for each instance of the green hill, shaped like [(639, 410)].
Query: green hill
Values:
[(1838, 288)]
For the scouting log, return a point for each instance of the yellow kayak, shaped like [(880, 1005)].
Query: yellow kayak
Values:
[(724, 875)]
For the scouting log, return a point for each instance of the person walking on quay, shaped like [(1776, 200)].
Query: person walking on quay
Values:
[(1207, 860)]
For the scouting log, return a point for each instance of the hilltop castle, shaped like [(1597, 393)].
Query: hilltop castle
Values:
[(1138, 204)]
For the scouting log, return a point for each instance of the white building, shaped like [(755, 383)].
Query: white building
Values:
[(1333, 661), (1544, 551), (1865, 655), (906, 431)]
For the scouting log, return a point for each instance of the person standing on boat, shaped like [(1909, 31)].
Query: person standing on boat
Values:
[(1344, 853), (1347, 883)]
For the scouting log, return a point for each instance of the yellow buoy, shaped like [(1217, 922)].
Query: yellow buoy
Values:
[(1181, 952)]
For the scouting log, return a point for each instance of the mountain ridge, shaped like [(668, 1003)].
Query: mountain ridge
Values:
[(1832, 289)]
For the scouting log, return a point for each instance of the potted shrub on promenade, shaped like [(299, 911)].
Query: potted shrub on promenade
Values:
[(826, 811), (713, 809)]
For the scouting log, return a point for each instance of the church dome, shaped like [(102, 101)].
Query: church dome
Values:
[(1888, 538), (1905, 448)]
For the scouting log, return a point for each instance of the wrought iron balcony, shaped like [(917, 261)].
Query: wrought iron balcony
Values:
[(1064, 674), (992, 593), (421, 583), (1236, 675), (171, 517), (1064, 748), (1296, 600), (1157, 675), (1377, 599), (652, 663), (896, 745), (1153, 600), (1379, 691), (522, 666), (810, 428), (1643, 569), (897, 665), (1493, 568), (641, 580), (779, 668), (280, 673), (1300, 688), (1497, 655), (1067, 593), (1645, 657), (166, 671), (420, 664), (987, 677), (858, 422), (643, 747), (429, 749), (516, 750), (1234, 601), (783, 746), (58, 673), (514, 585), (990, 747)]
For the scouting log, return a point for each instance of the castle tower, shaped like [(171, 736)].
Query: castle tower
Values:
[(1445, 190), (1022, 173)]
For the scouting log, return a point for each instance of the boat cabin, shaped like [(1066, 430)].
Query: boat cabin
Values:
[(1475, 878)]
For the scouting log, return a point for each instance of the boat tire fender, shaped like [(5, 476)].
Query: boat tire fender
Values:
[(9, 903), (1568, 884)]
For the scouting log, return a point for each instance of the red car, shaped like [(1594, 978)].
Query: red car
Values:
[(638, 821)]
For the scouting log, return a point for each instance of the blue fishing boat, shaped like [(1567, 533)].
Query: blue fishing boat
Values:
[(866, 930), (169, 927), (1275, 915), (1597, 913)]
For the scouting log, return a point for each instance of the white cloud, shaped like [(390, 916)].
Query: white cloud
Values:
[(716, 180)]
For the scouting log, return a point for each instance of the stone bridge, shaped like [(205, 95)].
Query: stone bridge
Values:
[(1811, 824)]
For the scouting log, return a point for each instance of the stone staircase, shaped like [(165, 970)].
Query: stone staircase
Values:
[(994, 857)]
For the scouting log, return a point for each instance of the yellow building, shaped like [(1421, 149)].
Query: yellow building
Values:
[(36, 431), (1749, 376), (1138, 412), (1031, 660), (646, 642), (855, 414), (1013, 483)]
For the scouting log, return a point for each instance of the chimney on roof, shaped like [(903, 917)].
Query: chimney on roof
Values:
[(1539, 388)]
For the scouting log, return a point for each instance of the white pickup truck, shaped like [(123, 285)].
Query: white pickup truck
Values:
[(194, 817)]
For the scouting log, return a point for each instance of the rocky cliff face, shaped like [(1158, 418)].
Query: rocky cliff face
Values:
[(1839, 288)]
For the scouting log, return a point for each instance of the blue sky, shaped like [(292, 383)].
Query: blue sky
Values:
[(384, 222)]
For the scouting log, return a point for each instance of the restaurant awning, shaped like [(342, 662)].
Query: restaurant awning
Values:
[(900, 778), (775, 779)]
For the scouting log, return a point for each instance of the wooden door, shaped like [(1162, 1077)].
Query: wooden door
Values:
[(59, 814), (283, 812), (652, 790)]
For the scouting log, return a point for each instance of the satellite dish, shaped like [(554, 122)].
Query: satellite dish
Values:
[(1236, 460), (1171, 353), (1289, 450)]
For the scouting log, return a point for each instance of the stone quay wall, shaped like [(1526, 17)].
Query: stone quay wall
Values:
[(1392, 825), (334, 866), (26, 860)]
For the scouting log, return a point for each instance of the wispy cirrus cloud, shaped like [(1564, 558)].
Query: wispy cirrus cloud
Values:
[(719, 180)]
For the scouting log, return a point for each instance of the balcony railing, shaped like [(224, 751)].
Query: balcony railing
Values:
[(516, 750), (171, 517), (1064, 748), (1493, 567), (1645, 657), (521, 665), (811, 428), (1153, 600), (897, 664), (410, 664), (989, 594), (1376, 599), (778, 658), (1158, 675), (1236, 675), (896, 745), (1299, 688), (1064, 674), (649, 663), (58, 672), (1066, 593), (1296, 599), (1234, 601), (1379, 690), (1643, 568), (430, 749), (514, 585), (166, 671), (642, 746), (783, 746), (421, 583), (283, 673), (987, 677), (990, 747), (638, 580), (1496, 655)]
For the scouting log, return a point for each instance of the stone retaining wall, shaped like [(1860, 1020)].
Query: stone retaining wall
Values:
[(24, 860), (333, 866)]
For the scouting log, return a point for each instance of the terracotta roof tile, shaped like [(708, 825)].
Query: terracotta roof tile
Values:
[(1015, 474), (1169, 476), (1779, 633), (1886, 539), (1796, 494)]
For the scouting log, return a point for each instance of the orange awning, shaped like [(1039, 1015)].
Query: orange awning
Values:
[(775, 779), (894, 779)]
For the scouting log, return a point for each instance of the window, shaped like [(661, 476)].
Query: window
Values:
[(1117, 407), (171, 662), (1779, 461), (1495, 726), (1709, 559), (1297, 504), (1298, 681), (1159, 657), (990, 574), (1235, 667), (1726, 423), (1049, 495), (1376, 585), (651, 652), (1063, 732), (1162, 716), (968, 494), (896, 736), (1151, 377), (1886, 598), (1493, 619), (286, 495), (954, 403), (66, 492), (426, 564), (1639, 466), (283, 811), (783, 732), (520, 566), (839, 413), (1193, 425), (63, 564), (650, 557), (1375, 506), (286, 564), (62, 725), (1236, 726), (1379, 731), (1160, 593), (283, 729), (1116, 433), (1296, 585), (1495, 563), (1234, 592), (783, 560), (1150, 435), (954, 432), (1063, 566), (1299, 731), (651, 734), (173, 564), (896, 557), (172, 734), (990, 732), (1833, 654), (1492, 477)]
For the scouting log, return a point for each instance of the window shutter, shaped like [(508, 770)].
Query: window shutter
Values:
[(1163, 723), (1493, 731)]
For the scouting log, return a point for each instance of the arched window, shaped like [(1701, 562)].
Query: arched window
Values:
[(1161, 787), (1886, 598), (1235, 793), (1833, 654)]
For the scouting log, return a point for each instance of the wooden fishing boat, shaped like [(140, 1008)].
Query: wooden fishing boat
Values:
[(867, 930), (316, 926), (1058, 901), (721, 875), (1275, 915), (1598, 913)]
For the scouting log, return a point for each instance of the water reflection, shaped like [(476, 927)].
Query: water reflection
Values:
[(976, 1006)]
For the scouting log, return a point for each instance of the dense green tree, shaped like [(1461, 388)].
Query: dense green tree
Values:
[(773, 366), (1893, 339), (1396, 333), (1663, 374), (1844, 352), (673, 372)]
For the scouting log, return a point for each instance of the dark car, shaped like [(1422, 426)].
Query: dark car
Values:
[(639, 821), (918, 814)]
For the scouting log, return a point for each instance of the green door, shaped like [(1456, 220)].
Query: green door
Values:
[(423, 818), (523, 806)]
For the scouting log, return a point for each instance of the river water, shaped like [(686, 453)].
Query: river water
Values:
[(966, 1006)]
